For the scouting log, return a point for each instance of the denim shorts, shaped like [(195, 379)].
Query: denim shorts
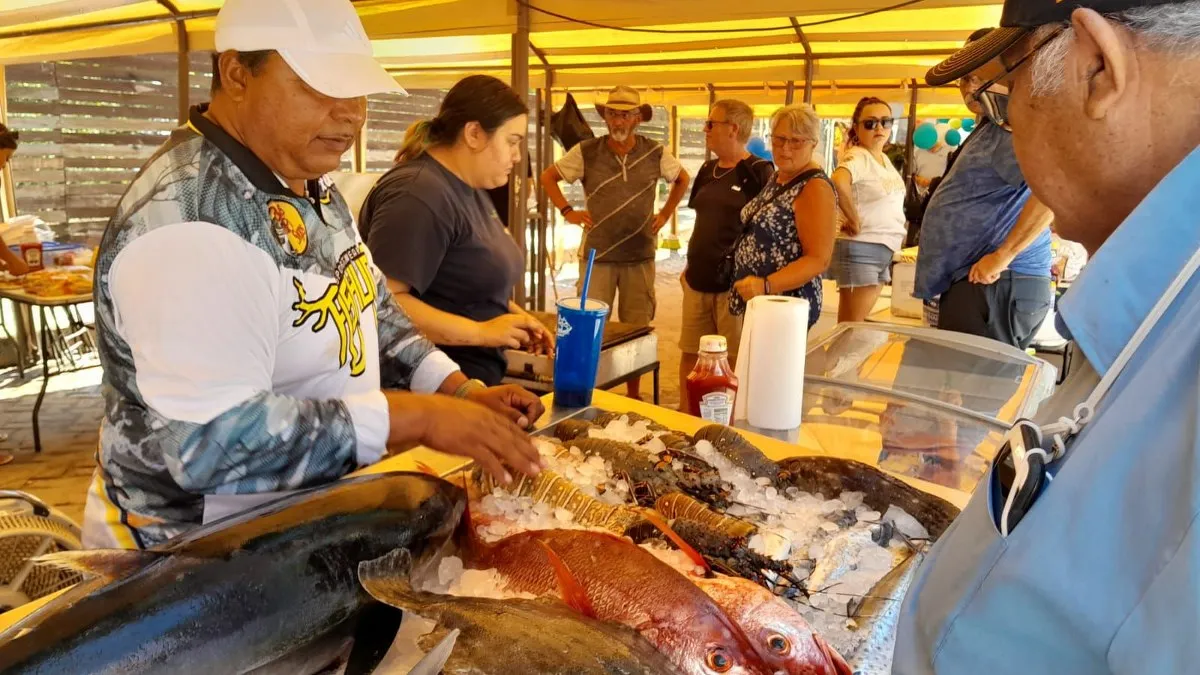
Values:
[(860, 263)]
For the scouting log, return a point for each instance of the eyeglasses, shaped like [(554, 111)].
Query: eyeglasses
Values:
[(883, 122), (994, 104), (620, 115), (709, 124), (790, 143)]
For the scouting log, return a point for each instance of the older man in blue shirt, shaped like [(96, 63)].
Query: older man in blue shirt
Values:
[(985, 242), (1102, 574)]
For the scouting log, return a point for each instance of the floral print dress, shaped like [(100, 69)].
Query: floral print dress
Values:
[(771, 243)]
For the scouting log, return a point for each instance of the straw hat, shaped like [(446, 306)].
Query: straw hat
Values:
[(626, 98)]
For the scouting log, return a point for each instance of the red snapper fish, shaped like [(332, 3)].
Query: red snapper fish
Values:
[(609, 578)]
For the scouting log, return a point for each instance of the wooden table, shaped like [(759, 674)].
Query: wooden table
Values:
[(806, 444), (51, 337)]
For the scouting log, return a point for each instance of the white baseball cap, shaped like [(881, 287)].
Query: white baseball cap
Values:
[(322, 40)]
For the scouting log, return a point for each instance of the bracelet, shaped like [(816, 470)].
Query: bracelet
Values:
[(566, 209), (766, 285), (469, 387)]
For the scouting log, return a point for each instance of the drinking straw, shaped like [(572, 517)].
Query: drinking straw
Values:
[(587, 277)]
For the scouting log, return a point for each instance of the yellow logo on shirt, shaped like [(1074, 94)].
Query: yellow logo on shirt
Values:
[(288, 226), (343, 301)]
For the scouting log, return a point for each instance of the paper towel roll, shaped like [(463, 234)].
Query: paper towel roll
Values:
[(770, 364)]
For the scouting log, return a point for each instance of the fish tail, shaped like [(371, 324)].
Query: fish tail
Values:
[(679, 541), (573, 592)]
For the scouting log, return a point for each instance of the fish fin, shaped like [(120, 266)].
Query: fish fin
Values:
[(433, 662), (426, 469), (573, 592), (836, 663), (679, 541), (108, 564), (386, 579)]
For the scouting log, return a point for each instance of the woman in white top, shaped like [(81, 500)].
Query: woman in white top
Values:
[(871, 199)]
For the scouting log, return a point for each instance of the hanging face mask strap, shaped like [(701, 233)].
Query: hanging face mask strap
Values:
[(1066, 427)]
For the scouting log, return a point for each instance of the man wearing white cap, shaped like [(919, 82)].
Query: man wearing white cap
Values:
[(244, 331), (620, 173)]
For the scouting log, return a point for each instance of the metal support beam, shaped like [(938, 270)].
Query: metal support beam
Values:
[(358, 152), (8, 196), (183, 62), (540, 54), (712, 100), (789, 96), (545, 209), (756, 58), (675, 134), (912, 129), (809, 62), (518, 190)]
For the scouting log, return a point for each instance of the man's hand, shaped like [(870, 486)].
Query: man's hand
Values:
[(514, 402), (467, 429), (581, 218), (510, 331), (659, 221), (15, 266), (989, 268), (750, 287)]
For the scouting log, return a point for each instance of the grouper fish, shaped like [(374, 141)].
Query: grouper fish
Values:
[(545, 637), (272, 590)]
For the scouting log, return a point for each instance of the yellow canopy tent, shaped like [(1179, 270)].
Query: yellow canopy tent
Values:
[(680, 53)]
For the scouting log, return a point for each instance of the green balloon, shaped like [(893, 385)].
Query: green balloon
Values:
[(943, 120), (953, 138), (968, 124), (926, 136)]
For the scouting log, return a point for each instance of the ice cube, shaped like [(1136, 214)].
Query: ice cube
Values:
[(852, 500), (869, 515), (563, 515), (829, 527), (762, 481), (449, 570), (772, 493), (906, 524)]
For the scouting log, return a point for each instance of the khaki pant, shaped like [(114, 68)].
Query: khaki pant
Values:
[(707, 314), (634, 282)]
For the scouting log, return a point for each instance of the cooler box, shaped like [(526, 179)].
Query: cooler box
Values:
[(904, 277)]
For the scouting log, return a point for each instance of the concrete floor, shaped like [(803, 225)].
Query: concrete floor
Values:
[(71, 413)]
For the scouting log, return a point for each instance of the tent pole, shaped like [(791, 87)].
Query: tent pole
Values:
[(544, 208), (675, 151), (517, 221), (912, 130), (712, 100), (789, 96), (181, 55), (809, 64), (8, 196)]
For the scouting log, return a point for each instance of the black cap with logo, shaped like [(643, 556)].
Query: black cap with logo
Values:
[(1019, 18)]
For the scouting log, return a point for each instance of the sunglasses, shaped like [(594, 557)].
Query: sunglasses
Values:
[(790, 143), (618, 115), (995, 105), (883, 123), (709, 124)]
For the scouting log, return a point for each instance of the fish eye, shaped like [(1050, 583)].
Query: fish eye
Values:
[(718, 661), (779, 644)]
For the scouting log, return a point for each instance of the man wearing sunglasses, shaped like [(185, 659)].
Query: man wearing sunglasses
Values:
[(1092, 563), (985, 242)]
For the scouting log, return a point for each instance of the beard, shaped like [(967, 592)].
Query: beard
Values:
[(620, 135)]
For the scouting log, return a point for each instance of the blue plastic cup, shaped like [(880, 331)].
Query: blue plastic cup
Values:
[(577, 351)]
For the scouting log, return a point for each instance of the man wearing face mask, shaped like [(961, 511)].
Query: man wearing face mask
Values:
[(985, 241), (1079, 551), (620, 173), (250, 346)]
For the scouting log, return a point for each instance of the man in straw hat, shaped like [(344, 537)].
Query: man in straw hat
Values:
[(250, 347), (620, 173), (1079, 552)]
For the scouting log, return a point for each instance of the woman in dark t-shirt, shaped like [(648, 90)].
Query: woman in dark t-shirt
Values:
[(432, 229)]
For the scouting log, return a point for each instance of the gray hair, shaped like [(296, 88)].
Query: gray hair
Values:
[(1172, 29), (802, 118), (737, 112)]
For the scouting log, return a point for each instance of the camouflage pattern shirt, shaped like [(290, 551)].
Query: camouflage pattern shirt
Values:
[(245, 336)]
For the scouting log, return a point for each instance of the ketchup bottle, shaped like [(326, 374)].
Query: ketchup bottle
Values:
[(712, 385)]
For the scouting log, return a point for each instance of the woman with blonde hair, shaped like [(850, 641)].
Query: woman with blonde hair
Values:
[(789, 225), (433, 231)]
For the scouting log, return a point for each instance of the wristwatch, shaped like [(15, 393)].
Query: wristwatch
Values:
[(469, 387), (566, 209)]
